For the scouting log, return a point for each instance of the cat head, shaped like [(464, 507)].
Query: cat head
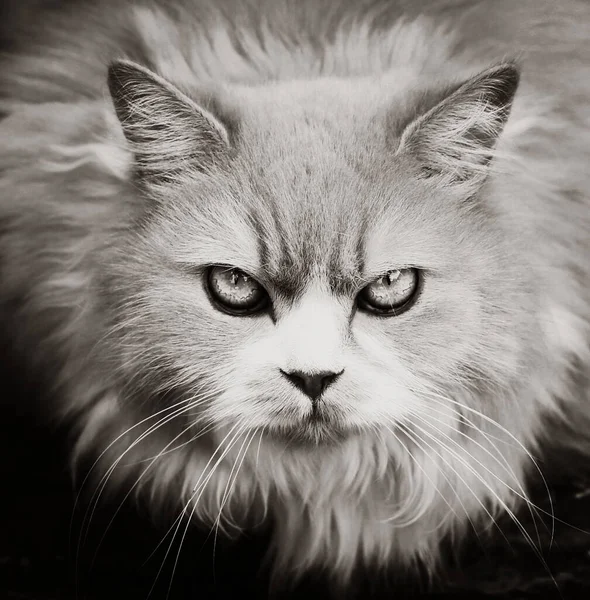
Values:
[(316, 258)]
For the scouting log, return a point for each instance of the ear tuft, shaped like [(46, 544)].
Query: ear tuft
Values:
[(457, 138), (167, 131)]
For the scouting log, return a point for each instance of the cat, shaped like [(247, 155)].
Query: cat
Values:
[(322, 264)]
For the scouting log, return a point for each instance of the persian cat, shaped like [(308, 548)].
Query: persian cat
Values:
[(318, 263)]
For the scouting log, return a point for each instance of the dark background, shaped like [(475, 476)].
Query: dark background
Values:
[(40, 527)]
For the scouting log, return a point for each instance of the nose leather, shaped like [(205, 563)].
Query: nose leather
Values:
[(312, 384)]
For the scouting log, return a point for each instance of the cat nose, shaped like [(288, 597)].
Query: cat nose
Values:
[(312, 384)]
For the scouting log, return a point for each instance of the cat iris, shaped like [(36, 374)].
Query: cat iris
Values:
[(235, 292), (392, 293)]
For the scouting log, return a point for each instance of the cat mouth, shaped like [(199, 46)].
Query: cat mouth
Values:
[(318, 427), (317, 418)]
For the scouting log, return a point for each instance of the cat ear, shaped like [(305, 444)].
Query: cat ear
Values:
[(457, 138), (167, 131)]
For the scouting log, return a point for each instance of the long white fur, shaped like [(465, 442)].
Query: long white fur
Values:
[(389, 493)]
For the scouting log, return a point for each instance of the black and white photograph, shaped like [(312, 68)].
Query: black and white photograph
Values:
[(295, 299)]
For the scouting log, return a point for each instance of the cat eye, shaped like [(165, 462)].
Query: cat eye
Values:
[(235, 292), (391, 294)]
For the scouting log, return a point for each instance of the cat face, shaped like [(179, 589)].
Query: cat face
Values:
[(307, 271)]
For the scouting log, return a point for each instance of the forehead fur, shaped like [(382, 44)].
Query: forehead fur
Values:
[(317, 189)]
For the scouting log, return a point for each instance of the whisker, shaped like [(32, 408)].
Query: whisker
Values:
[(195, 502), (96, 495), (414, 435), (104, 480), (174, 528), (551, 513), (502, 503), (505, 465), (204, 469), (142, 475), (229, 489), (417, 463), (188, 405)]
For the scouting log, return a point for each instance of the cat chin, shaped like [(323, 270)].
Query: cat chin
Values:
[(313, 431), (321, 426)]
